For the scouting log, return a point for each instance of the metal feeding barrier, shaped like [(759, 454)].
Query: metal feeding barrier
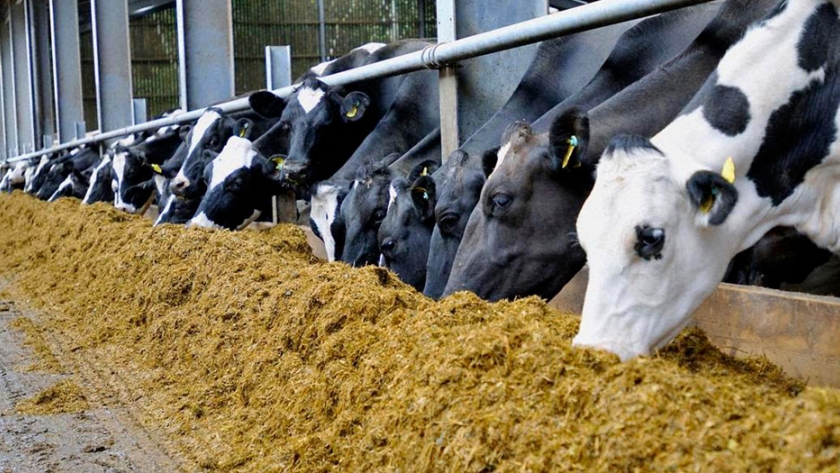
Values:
[(437, 56)]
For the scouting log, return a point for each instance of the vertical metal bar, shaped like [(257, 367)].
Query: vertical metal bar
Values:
[(44, 110), (421, 13), (448, 84), (140, 114), (278, 74), (67, 67), (111, 63), (322, 30), (9, 112), (278, 66), (22, 70), (80, 130), (3, 87), (205, 48)]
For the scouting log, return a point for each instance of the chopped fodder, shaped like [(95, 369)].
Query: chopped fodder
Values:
[(46, 360), (256, 357), (64, 397)]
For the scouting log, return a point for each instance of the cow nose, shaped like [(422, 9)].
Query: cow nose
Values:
[(178, 186), (294, 172)]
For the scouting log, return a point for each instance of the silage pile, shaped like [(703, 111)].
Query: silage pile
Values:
[(256, 357)]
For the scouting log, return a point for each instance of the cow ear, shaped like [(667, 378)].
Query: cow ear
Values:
[(266, 104), (712, 196), (423, 197), (424, 168), (243, 128), (568, 139), (353, 106), (208, 172), (489, 160), (184, 132)]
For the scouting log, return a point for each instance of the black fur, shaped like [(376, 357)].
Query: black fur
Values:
[(706, 185), (727, 110), (630, 144), (819, 38)]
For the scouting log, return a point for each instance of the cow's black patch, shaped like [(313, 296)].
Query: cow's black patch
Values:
[(798, 138), (630, 143), (819, 38), (727, 110)]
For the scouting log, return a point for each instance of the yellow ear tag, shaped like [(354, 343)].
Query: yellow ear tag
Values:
[(425, 172), (728, 172), (156, 168), (573, 143), (352, 112), (278, 160)]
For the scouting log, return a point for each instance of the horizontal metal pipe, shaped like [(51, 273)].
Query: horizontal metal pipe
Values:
[(586, 17)]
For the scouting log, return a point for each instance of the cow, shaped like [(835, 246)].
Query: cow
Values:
[(321, 126), (37, 176), (405, 232), (80, 159), (99, 187), (540, 229), (236, 179), (756, 148), (15, 176), (76, 185), (458, 186)]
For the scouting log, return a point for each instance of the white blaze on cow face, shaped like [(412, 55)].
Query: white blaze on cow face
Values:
[(201, 128), (309, 98), (636, 305), (323, 211), (166, 209), (67, 182), (501, 155), (392, 195), (237, 154), (94, 179)]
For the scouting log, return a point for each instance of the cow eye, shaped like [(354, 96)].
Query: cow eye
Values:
[(448, 222), (214, 141), (501, 201), (649, 242), (379, 216), (284, 125)]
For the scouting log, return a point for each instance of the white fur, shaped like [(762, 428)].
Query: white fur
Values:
[(166, 210), (372, 47), (119, 169), (202, 221), (44, 161), (501, 155), (202, 125), (237, 154), (323, 211), (309, 98), (392, 196), (633, 306), (319, 69)]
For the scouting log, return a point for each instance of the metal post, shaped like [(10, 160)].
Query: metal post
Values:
[(322, 30), (43, 71), (448, 84), (140, 114), (421, 13), (67, 67), (3, 88), (80, 130), (22, 73), (205, 49), (9, 113), (111, 63), (278, 66), (278, 74)]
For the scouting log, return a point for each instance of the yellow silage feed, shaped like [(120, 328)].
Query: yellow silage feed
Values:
[(254, 356)]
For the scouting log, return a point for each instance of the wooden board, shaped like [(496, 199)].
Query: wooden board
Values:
[(798, 332)]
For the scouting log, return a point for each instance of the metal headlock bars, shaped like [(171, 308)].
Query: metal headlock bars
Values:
[(585, 17)]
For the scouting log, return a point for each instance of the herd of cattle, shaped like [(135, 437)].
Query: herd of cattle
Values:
[(668, 154)]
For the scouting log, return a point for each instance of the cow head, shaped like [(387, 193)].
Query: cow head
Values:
[(363, 211), (74, 185), (316, 122), (132, 180), (99, 189), (458, 186), (14, 177), (645, 232), (405, 233), (240, 181), (38, 176), (520, 238), (325, 216), (210, 133)]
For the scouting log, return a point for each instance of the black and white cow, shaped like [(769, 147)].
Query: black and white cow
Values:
[(79, 160), (74, 185), (758, 147), (321, 126), (239, 182), (544, 224), (37, 177), (15, 176), (99, 187), (405, 232)]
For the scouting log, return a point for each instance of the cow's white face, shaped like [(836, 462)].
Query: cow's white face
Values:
[(647, 248), (323, 212)]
